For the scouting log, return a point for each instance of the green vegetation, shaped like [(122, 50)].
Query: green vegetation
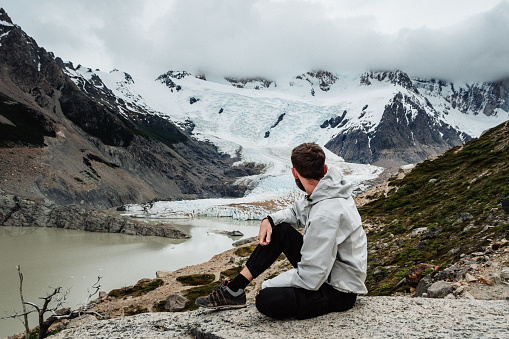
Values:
[(384, 289), (158, 306), (232, 272), (196, 279), (473, 179), (193, 293), (427, 271), (34, 333), (245, 251), (143, 286), (132, 310)]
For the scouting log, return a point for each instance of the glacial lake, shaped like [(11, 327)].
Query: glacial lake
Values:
[(74, 259)]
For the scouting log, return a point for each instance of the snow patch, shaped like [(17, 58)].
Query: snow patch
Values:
[(5, 23)]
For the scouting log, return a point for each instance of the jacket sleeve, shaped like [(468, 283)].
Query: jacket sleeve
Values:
[(291, 215), (318, 251)]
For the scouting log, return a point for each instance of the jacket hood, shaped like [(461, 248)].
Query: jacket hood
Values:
[(332, 185)]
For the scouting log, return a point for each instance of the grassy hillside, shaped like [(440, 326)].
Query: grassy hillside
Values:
[(455, 199)]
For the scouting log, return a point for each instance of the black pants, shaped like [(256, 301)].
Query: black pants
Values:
[(283, 302)]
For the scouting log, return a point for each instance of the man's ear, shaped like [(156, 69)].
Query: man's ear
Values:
[(294, 172), (325, 168)]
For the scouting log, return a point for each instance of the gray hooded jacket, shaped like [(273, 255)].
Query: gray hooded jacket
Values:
[(335, 247)]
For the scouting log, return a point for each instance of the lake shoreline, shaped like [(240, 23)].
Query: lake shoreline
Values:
[(20, 212), (73, 259)]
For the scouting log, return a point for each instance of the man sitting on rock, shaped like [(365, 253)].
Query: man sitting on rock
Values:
[(329, 260)]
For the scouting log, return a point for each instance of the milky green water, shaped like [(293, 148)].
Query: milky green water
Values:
[(74, 259)]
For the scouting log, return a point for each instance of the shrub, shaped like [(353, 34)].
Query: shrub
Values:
[(196, 279), (143, 286)]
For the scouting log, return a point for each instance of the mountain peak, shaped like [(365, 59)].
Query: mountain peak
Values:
[(253, 82), (4, 18), (396, 77)]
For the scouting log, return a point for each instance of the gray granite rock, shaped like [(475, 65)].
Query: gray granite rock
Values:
[(423, 285), (372, 317), (505, 273), (175, 302), (439, 289)]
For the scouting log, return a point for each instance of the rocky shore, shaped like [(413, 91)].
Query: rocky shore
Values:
[(372, 317), (455, 314), (16, 211)]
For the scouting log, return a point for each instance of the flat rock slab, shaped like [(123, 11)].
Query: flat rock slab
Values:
[(372, 317)]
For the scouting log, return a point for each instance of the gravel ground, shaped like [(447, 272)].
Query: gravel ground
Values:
[(372, 317)]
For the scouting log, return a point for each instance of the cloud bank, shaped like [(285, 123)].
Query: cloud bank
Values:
[(459, 40)]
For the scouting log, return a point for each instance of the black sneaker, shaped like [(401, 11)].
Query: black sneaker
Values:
[(222, 296)]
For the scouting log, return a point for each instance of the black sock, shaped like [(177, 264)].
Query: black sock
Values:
[(239, 282)]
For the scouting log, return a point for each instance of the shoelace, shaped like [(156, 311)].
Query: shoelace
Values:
[(217, 295)]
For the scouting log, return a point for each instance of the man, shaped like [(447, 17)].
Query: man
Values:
[(329, 260)]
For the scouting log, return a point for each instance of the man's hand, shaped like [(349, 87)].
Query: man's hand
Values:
[(265, 232)]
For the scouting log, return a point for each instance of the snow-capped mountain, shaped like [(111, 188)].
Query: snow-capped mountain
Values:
[(112, 138), (77, 142), (384, 118), (381, 118)]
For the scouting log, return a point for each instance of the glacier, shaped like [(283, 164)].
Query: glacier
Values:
[(261, 122)]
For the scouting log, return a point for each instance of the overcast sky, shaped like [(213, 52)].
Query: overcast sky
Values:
[(464, 40)]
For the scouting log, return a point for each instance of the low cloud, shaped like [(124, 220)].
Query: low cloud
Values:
[(275, 39)]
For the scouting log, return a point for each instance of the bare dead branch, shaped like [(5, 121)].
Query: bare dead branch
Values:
[(57, 311), (17, 315), (33, 305), (25, 314), (95, 289)]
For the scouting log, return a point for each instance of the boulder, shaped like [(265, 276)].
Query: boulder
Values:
[(497, 279), (244, 241), (175, 302), (160, 274), (439, 289), (470, 278), (422, 286), (463, 217), (416, 231), (467, 295), (414, 274), (504, 274), (458, 290)]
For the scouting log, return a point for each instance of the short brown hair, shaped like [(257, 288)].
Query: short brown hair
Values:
[(309, 160)]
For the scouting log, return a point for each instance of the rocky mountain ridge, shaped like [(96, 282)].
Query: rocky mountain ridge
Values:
[(399, 119), (410, 128), (109, 143), (96, 149)]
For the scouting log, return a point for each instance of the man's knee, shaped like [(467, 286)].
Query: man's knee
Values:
[(263, 303), (281, 229), (276, 302)]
